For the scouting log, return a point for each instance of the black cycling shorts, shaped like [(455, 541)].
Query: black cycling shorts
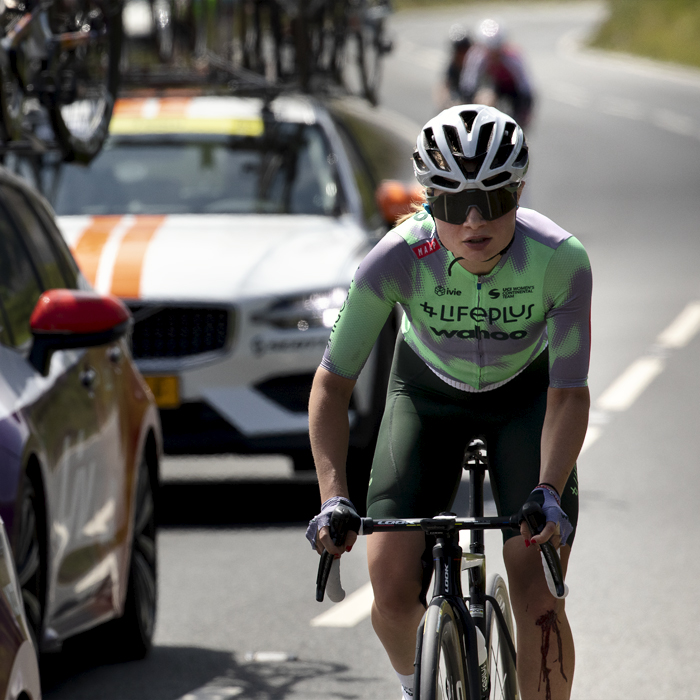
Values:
[(427, 424)]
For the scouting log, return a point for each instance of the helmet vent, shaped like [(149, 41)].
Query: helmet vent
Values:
[(496, 180), (443, 183), (470, 167), (420, 164), (485, 138), (431, 148), (505, 150), (521, 160), (452, 138), (468, 118)]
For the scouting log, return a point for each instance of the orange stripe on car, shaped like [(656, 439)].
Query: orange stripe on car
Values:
[(88, 249), (129, 108), (126, 278), (174, 106)]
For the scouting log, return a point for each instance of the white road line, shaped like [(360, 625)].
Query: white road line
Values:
[(625, 390), (683, 329), (355, 608), (592, 434), (213, 692), (621, 107), (674, 122)]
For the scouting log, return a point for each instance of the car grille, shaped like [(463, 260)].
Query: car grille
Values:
[(171, 331)]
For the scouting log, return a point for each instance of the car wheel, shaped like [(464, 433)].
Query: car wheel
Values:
[(132, 634), (29, 557)]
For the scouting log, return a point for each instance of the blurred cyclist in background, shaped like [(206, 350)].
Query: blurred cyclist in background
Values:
[(494, 74), (460, 43)]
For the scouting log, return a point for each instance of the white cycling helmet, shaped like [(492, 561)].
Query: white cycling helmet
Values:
[(470, 147)]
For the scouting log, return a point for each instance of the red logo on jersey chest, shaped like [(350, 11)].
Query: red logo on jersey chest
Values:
[(426, 248)]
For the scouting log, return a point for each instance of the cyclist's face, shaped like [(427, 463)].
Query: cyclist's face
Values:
[(477, 241)]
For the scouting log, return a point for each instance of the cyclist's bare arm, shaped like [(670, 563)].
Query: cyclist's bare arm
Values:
[(329, 431), (565, 424)]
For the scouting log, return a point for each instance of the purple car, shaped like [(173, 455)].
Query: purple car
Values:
[(19, 670), (80, 441)]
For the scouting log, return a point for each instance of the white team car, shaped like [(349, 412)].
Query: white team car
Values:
[(231, 227)]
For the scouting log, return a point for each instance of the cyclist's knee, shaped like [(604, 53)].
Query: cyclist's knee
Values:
[(529, 592), (396, 573), (394, 600)]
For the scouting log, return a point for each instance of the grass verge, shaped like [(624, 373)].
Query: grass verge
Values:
[(667, 30), (435, 4)]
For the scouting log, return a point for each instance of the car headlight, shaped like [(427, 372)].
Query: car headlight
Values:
[(317, 310)]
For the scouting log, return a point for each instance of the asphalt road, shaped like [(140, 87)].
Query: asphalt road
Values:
[(615, 148)]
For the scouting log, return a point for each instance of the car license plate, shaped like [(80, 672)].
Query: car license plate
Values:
[(166, 391)]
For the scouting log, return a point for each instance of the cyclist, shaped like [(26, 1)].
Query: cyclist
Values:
[(460, 43), (496, 68), (494, 341)]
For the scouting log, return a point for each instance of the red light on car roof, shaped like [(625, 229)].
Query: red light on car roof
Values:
[(72, 311)]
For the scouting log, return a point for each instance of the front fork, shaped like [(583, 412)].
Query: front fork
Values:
[(448, 561)]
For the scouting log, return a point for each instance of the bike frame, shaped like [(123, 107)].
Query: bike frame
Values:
[(449, 560), (447, 573)]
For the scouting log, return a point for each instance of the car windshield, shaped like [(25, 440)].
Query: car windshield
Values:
[(288, 170)]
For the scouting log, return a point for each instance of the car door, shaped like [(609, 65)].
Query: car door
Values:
[(74, 419)]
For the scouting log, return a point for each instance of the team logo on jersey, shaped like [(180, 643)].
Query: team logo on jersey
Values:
[(510, 292), (442, 291), (426, 248)]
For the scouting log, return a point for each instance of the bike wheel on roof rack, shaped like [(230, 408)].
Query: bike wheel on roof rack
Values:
[(372, 45), (11, 102), (85, 67)]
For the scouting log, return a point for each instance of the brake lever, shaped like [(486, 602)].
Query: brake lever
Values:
[(534, 517), (341, 520)]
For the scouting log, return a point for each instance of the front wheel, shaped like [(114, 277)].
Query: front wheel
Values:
[(502, 674), (442, 670)]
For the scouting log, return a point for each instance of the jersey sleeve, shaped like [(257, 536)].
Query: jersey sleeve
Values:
[(567, 299), (373, 293)]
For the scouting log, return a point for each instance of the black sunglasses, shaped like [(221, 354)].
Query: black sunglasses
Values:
[(492, 204)]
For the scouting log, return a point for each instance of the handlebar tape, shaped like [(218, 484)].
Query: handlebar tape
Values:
[(343, 519), (536, 521)]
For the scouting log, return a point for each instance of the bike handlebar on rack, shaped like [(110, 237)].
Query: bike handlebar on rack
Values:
[(345, 519)]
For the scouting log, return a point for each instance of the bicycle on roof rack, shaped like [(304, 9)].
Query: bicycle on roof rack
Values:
[(313, 45), (59, 73), (448, 663)]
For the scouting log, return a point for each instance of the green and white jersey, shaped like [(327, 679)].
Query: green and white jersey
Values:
[(476, 332)]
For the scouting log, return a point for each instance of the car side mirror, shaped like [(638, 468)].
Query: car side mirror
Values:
[(395, 199), (67, 318)]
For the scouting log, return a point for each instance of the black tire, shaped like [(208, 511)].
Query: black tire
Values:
[(11, 101), (369, 59), (30, 556), (442, 671), (131, 635), (504, 680), (87, 76)]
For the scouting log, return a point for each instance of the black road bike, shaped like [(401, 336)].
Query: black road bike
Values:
[(447, 663), (59, 72)]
